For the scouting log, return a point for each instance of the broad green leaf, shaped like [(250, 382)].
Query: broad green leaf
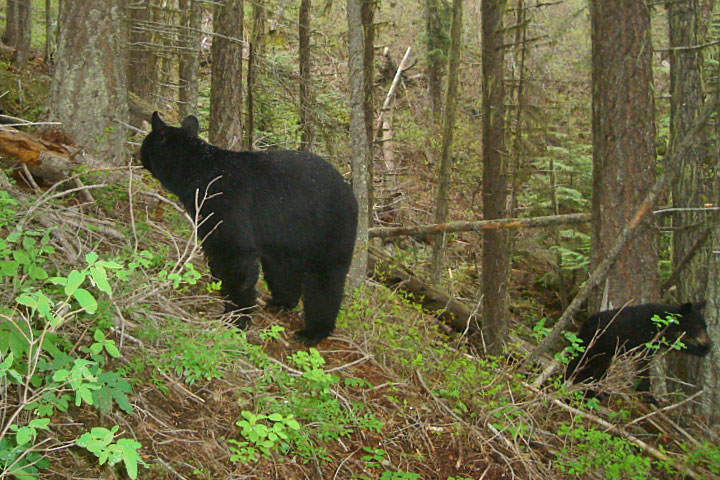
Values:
[(91, 258), (74, 280), (86, 300), (99, 276)]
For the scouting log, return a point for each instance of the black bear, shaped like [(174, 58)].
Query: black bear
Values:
[(617, 331), (292, 211)]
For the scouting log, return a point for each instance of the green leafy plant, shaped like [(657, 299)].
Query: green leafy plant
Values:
[(597, 451), (100, 442), (263, 434)]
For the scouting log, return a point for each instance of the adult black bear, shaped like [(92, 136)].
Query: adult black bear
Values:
[(292, 211), (616, 331)]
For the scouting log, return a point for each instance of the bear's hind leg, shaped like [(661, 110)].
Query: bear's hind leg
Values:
[(323, 294), (284, 277)]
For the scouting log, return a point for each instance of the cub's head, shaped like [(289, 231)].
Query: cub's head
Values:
[(693, 329), (165, 145)]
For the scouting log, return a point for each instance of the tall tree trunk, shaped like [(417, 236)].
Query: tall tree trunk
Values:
[(441, 208), (226, 76), (435, 52), (48, 31), (24, 33), (255, 51), (689, 190), (189, 61), (623, 145), (361, 146), (305, 79), (11, 23), (495, 255), (142, 66), (88, 93), (709, 372), (368, 17)]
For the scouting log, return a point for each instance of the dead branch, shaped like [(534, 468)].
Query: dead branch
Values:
[(502, 223), (391, 91)]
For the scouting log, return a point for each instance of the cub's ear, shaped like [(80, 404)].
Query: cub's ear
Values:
[(191, 125), (156, 122)]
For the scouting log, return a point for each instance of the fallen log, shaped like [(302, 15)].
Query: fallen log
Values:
[(47, 160), (503, 223), (393, 274)]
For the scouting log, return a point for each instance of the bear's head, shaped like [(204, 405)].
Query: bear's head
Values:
[(692, 328), (165, 144)]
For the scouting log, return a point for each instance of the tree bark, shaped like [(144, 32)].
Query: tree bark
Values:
[(690, 188), (88, 93), (361, 146), (226, 76), (142, 66), (495, 255), (441, 207), (305, 78), (624, 161), (435, 51), (189, 61), (11, 23), (24, 33), (709, 372)]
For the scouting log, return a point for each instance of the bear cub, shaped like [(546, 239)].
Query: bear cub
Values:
[(607, 333), (291, 211)]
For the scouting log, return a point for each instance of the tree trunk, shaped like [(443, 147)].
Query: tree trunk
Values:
[(226, 76), (690, 188), (709, 373), (24, 33), (142, 66), (189, 61), (48, 31), (11, 23), (305, 79), (623, 145), (255, 50), (361, 147), (88, 92), (495, 257), (435, 51), (441, 208)]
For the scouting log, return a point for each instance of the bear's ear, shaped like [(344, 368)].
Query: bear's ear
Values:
[(191, 125), (156, 122), (701, 304)]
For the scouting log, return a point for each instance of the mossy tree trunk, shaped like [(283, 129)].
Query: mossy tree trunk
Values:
[(11, 23), (441, 207), (624, 163), (226, 76), (88, 92), (436, 46), (24, 33), (495, 255)]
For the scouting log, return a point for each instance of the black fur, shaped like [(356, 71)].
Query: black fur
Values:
[(616, 331), (292, 211)]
